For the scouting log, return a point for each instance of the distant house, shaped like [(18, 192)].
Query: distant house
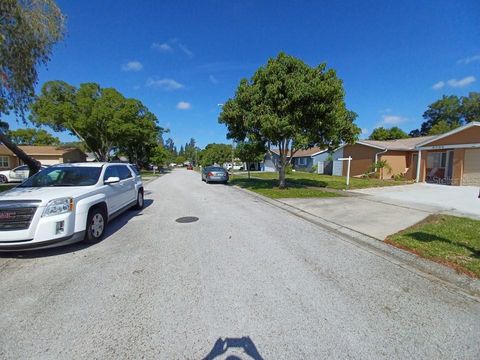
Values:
[(47, 155), (301, 159)]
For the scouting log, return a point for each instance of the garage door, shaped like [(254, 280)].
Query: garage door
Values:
[(471, 170)]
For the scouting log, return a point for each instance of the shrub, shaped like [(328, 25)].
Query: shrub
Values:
[(288, 169), (399, 177), (314, 169)]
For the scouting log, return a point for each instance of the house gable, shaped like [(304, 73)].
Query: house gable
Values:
[(468, 135)]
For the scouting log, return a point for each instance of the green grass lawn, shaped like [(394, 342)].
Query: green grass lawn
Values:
[(149, 173), (270, 189), (7, 187), (450, 240), (326, 181)]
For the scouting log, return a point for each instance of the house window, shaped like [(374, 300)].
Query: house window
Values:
[(4, 162), (301, 161)]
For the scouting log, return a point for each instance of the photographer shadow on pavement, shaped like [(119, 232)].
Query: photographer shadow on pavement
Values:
[(233, 349), (112, 227)]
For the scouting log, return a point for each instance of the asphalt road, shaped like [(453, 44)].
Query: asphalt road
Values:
[(275, 285)]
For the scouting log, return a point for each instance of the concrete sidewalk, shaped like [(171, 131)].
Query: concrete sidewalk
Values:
[(372, 218)]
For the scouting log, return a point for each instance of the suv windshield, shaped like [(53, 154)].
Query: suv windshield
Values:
[(64, 176)]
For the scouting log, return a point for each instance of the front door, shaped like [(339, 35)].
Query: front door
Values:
[(439, 167)]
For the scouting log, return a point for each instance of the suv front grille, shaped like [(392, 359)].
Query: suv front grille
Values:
[(16, 216)]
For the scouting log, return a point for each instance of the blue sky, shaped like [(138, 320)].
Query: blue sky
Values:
[(183, 58)]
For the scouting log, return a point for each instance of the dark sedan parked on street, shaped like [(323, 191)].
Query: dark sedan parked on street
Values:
[(214, 174)]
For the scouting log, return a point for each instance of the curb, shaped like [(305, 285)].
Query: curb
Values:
[(433, 271)]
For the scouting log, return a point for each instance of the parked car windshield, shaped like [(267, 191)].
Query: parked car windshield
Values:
[(64, 176)]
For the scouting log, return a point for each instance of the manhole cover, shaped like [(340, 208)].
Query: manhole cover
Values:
[(187, 219)]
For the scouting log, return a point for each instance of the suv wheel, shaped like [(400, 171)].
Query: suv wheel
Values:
[(96, 223), (3, 179), (140, 200)]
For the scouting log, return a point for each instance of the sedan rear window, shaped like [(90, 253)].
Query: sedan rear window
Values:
[(214, 168), (64, 176)]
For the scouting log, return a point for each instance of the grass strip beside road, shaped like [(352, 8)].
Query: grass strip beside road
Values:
[(7, 187), (326, 181), (270, 189), (450, 240)]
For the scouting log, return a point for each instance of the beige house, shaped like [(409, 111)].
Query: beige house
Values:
[(452, 158), (47, 155)]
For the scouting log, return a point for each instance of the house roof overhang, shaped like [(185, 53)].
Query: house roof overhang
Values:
[(422, 146)]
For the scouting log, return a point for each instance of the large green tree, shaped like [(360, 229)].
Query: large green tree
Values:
[(290, 105), (249, 152), (102, 118), (215, 154), (449, 113), (392, 133), (32, 136), (28, 31), (159, 156)]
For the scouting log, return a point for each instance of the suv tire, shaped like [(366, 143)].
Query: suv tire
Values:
[(140, 201), (96, 224), (3, 179)]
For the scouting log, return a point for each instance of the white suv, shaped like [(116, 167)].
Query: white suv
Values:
[(67, 203)]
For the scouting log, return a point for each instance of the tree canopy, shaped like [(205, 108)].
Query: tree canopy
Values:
[(215, 154), (102, 118), (449, 113), (28, 31), (382, 133), (32, 136), (290, 105), (249, 152)]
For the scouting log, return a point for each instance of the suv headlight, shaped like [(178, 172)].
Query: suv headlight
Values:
[(58, 206)]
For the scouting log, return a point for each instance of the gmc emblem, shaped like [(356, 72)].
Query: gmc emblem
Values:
[(7, 215)]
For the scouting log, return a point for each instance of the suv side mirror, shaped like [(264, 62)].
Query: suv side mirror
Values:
[(112, 180)]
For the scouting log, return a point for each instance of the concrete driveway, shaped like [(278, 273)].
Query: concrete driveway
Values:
[(363, 214), (246, 277), (454, 200)]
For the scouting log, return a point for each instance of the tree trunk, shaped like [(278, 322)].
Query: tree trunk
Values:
[(33, 165), (281, 175), (248, 169)]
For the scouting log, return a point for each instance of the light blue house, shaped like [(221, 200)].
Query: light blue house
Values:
[(302, 160)]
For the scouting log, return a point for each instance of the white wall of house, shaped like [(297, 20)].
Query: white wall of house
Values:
[(324, 156), (268, 164)]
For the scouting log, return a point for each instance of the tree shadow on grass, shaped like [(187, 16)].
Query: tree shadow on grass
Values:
[(307, 182), (270, 184), (427, 238)]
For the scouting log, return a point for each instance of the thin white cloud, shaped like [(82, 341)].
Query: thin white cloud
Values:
[(468, 60), (461, 82), (213, 79), (132, 66), (171, 46), (365, 132), (183, 105), (165, 84), (186, 50), (438, 85), (392, 119), (164, 47)]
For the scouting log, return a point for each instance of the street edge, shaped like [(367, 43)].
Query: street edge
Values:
[(433, 271)]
